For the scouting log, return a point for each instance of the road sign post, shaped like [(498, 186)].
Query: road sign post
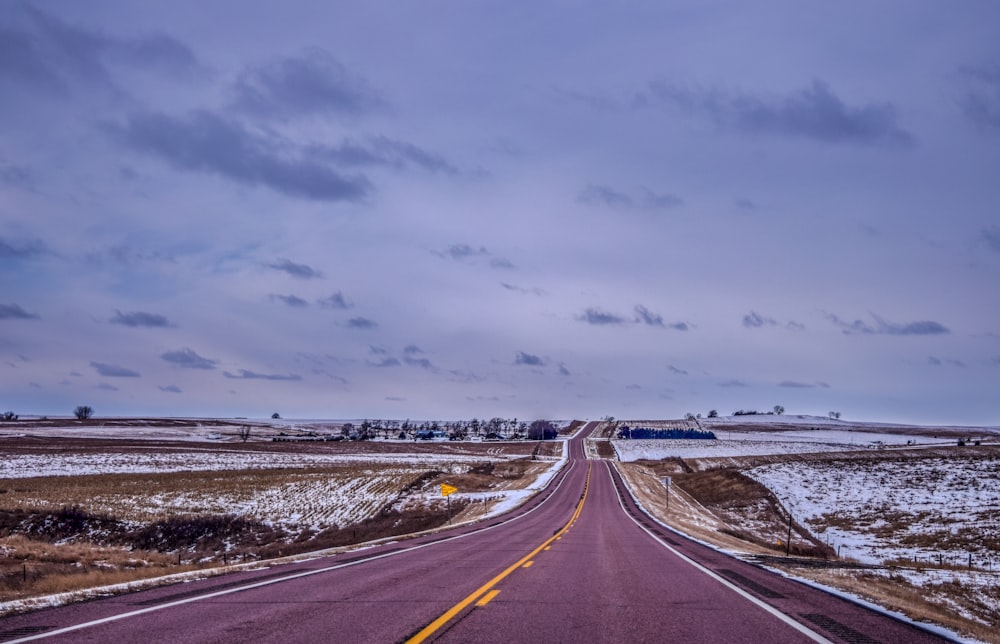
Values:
[(446, 492)]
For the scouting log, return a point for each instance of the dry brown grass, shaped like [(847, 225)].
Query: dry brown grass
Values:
[(30, 567), (746, 509), (934, 603)]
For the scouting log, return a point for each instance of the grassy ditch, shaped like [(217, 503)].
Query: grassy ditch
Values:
[(748, 510)]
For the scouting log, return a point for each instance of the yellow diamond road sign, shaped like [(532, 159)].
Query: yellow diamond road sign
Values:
[(448, 489)]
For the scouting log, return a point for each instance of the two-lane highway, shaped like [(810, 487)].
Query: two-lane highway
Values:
[(579, 564)]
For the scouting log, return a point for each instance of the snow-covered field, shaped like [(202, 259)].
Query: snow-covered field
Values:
[(80, 464), (350, 488), (908, 509), (315, 501), (795, 435)]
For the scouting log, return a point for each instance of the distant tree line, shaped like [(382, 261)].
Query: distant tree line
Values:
[(776, 411), (492, 429), (649, 432)]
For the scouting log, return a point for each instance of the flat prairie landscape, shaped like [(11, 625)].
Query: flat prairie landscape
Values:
[(905, 517)]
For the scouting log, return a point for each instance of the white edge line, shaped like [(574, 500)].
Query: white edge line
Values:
[(814, 636), (228, 591)]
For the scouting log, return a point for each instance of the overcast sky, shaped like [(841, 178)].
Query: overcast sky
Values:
[(539, 209)]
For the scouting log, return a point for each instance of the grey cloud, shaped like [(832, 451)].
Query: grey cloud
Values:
[(461, 252), (732, 383), (604, 196), (598, 317), (106, 387), (520, 289), (387, 361), (171, 389), (921, 327), (981, 103), (335, 301), (793, 384), (795, 326), (413, 355), (938, 362), (246, 374), (991, 235), (206, 142), (754, 320), (15, 312), (291, 300), (380, 151), (563, 371), (601, 195), (22, 63), (127, 256), (113, 370), (158, 51), (49, 55), (501, 263), (676, 370), (400, 153), (188, 359), (27, 249), (645, 316), (140, 318), (657, 201), (310, 83), (745, 204), (679, 326), (528, 359), (814, 112), (362, 323), (16, 175), (301, 271)]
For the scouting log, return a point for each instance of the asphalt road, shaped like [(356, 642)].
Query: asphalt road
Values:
[(579, 563)]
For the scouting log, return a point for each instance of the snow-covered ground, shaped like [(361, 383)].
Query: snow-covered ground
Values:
[(79, 464), (826, 437), (910, 509)]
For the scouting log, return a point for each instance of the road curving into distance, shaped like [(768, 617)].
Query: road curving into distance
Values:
[(578, 563)]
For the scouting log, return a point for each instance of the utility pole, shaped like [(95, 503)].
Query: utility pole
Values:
[(666, 484), (788, 541)]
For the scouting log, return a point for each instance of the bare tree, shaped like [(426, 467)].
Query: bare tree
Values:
[(244, 433), (83, 412), (542, 430)]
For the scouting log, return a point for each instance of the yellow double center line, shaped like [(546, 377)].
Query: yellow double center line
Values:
[(448, 615)]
